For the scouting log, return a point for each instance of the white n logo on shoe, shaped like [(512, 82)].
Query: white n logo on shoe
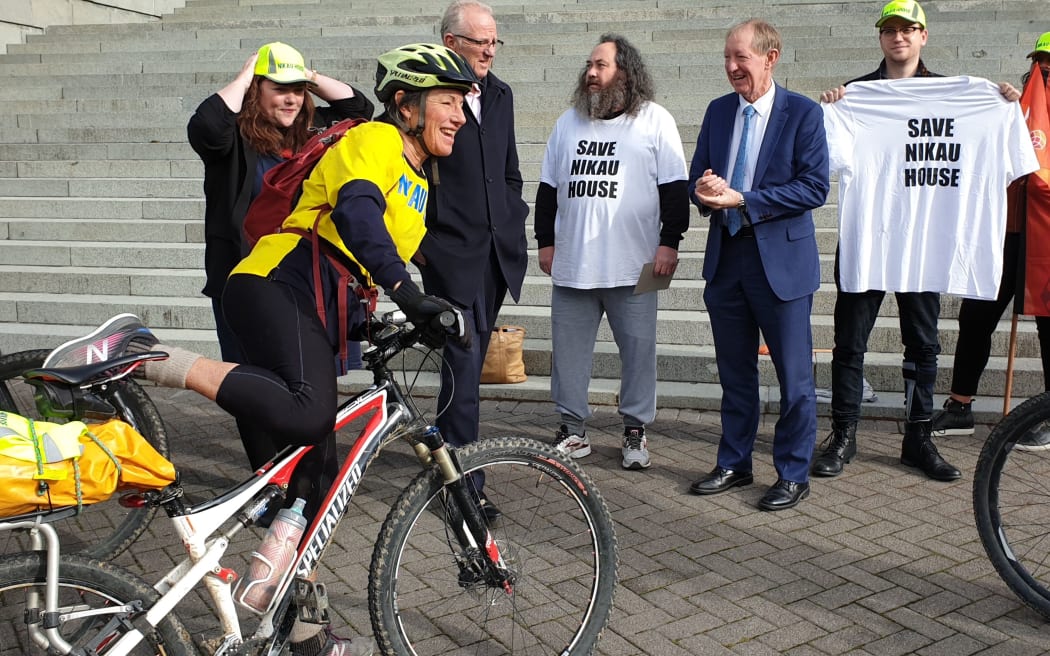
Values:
[(100, 351)]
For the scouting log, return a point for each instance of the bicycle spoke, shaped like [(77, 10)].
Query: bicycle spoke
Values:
[(1011, 490), (550, 542), (85, 588)]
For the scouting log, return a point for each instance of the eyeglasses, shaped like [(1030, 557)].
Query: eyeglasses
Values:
[(904, 31), (495, 44)]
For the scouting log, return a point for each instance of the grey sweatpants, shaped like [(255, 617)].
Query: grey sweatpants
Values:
[(575, 316)]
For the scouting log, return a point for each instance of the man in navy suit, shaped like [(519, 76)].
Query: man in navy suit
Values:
[(475, 248), (761, 264)]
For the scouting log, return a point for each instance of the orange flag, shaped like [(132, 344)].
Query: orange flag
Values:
[(1035, 104), (1034, 203)]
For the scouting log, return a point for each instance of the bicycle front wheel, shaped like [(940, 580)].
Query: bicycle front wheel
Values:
[(105, 529), (555, 534), (84, 586), (1011, 499)]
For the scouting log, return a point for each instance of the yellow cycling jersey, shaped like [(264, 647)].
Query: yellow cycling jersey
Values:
[(371, 152)]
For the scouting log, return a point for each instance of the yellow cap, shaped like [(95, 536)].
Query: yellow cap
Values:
[(1042, 45), (281, 63), (909, 10)]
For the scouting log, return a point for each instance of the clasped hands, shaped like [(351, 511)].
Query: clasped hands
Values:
[(713, 191)]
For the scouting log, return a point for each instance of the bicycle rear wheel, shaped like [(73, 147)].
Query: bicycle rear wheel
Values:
[(1011, 499), (555, 534), (84, 585), (105, 529)]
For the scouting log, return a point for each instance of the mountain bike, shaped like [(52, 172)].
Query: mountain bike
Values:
[(102, 530), (1011, 486), (443, 579)]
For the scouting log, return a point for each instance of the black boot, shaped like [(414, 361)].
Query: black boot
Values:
[(918, 450), (839, 449)]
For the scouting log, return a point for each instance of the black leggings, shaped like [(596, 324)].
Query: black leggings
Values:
[(286, 393)]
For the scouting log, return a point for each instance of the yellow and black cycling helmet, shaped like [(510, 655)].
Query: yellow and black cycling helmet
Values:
[(421, 67)]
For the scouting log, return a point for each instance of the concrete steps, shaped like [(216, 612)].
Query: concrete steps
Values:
[(100, 196)]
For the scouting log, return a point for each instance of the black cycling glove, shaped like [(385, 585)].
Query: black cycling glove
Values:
[(423, 310)]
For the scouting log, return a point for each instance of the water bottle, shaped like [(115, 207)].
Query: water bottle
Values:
[(272, 559)]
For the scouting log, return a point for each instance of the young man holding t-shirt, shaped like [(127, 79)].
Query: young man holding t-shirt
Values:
[(902, 35)]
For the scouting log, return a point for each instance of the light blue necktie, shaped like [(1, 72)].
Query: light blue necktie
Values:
[(733, 218)]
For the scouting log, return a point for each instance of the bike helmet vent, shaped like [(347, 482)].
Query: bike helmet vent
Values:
[(419, 67)]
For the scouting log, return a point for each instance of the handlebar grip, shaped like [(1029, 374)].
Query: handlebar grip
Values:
[(446, 319)]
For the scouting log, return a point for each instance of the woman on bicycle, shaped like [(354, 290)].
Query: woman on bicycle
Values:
[(373, 193)]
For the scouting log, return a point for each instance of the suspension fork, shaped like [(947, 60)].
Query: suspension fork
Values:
[(472, 533)]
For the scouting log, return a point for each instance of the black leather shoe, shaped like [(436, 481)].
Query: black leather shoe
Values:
[(918, 450), (783, 494), (840, 448), (488, 510), (721, 480)]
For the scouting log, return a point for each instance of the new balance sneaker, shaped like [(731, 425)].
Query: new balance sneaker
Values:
[(488, 509), (571, 444), (332, 645), (635, 449), (356, 646), (955, 419), (1037, 439), (119, 336)]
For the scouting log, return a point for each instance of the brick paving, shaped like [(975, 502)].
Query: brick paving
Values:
[(877, 561)]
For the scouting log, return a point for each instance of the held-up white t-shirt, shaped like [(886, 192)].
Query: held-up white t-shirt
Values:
[(923, 167), (606, 174)]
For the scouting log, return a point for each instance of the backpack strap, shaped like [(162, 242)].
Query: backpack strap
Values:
[(347, 280)]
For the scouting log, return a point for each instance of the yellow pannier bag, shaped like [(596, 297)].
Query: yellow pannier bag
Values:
[(45, 465)]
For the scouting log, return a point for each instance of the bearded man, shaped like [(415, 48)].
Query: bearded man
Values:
[(612, 198)]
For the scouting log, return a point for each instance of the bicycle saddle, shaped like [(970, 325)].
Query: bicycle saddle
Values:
[(96, 372)]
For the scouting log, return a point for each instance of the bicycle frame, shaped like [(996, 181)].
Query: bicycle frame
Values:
[(392, 415)]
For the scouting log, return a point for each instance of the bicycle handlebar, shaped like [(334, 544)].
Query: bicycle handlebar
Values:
[(390, 336), (446, 319)]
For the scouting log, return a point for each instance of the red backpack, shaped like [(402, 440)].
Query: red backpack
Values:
[(282, 185)]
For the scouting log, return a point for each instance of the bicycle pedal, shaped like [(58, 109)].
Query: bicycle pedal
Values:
[(221, 645), (311, 598)]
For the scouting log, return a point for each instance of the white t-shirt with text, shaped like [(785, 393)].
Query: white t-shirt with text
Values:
[(923, 167), (606, 173)]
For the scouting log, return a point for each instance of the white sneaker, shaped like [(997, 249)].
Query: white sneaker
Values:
[(119, 336), (1034, 440), (868, 394), (571, 444), (635, 449)]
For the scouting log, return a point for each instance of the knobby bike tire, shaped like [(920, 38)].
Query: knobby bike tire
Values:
[(83, 583), (1011, 499), (555, 533), (105, 529)]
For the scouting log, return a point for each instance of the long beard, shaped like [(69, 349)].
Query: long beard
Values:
[(603, 103)]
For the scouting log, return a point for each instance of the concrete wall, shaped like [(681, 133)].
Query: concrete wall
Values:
[(19, 18)]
